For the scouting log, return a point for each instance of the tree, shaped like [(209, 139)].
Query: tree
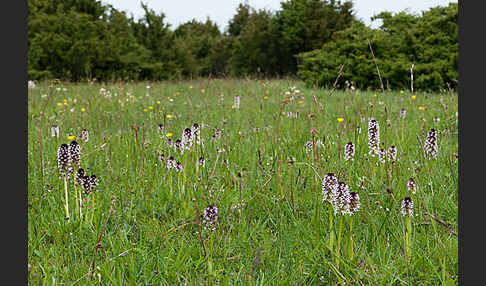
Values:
[(306, 25)]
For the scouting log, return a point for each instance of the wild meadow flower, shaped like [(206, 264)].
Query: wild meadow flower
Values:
[(308, 146), (392, 154), (382, 155), (237, 102), (171, 163), (31, 84), (209, 217), (436, 119), (329, 182), (160, 128), (291, 114), (340, 119), (187, 139), (162, 157), (55, 131), (89, 183), (79, 176), (349, 151), (217, 134), (407, 207), (196, 133), (64, 162), (85, 135), (412, 186), (403, 112), (354, 203), (179, 167), (341, 198), (430, 145), (373, 137), (201, 162), (178, 146), (75, 152)]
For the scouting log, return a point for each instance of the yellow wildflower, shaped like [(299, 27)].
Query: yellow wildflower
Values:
[(158, 101), (265, 97), (151, 107), (169, 134), (401, 91), (83, 109), (414, 97), (145, 109), (169, 116), (421, 108), (59, 104), (70, 137), (340, 119)]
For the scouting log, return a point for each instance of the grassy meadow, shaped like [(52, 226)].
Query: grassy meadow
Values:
[(264, 163)]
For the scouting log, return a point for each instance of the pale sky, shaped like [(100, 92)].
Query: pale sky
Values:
[(221, 11)]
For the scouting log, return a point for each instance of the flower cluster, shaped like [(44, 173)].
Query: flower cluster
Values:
[(308, 146), (381, 155), (339, 195), (373, 136), (328, 183), (403, 112), (55, 131), (292, 114), (349, 151), (75, 152), (412, 186), (85, 135), (187, 139), (201, 162), (209, 217), (196, 133), (160, 129), (64, 162), (171, 163), (430, 146), (237, 102), (88, 183), (407, 207), (217, 134), (189, 136), (392, 154)]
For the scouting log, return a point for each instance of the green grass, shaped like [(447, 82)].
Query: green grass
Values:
[(151, 236)]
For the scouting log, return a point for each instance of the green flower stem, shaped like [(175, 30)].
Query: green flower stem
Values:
[(331, 234), (408, 233), (351, 240), (80, 206), (66, 206), (338, 250)]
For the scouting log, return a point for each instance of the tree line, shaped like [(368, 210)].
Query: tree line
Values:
[(85, 39)]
